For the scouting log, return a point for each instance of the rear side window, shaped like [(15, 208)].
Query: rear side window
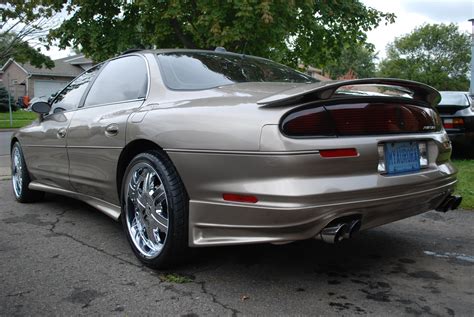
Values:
[(205, 70), (453, 99), (121, 79)]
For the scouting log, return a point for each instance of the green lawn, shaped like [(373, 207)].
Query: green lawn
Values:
[(20, 119), (466, 182)]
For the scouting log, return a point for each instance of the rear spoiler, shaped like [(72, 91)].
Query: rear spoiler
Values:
[(326, 90)]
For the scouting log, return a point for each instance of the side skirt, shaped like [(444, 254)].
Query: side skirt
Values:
[(111, 210)]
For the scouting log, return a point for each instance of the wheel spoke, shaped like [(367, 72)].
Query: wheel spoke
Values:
[(135, 228), (132, 193), (141, 203), (159, 221), (147, 182), (158, 195), (150, 234)]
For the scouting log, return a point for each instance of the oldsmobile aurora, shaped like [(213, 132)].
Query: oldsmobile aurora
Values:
[(194, 148)]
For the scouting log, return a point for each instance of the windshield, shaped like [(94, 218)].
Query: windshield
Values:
[(453, 99), (204, 70)]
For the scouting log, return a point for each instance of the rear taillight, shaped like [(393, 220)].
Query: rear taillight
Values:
[(453, 123), (314, 121), (368, 118)]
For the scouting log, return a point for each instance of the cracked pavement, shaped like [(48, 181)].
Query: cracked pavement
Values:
[(62, 257)]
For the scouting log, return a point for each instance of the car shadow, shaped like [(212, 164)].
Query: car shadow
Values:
[(369, 251), (376, 250)]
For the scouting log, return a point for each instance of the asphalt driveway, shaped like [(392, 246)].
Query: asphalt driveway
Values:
[(62, 257)]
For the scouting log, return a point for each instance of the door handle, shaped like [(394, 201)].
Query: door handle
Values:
[(112, 129), (61, 134)]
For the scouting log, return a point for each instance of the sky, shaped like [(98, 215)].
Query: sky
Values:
[(413, 13), (410, 14)]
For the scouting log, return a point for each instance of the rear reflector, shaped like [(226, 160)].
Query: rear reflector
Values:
[(338, 153), (240, 198)]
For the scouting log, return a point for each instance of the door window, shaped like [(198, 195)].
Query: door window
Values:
[(70, 97), (121, 79)]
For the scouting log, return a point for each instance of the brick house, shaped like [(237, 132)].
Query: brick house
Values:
[(26, 79), (314, 72)]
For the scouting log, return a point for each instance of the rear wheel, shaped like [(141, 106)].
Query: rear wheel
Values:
[(21, 178), (155, 210)]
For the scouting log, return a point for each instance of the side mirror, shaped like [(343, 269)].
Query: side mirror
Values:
[(41, 107)]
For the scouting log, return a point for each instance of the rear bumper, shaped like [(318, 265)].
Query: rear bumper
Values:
[(299, 192), (226, 224)]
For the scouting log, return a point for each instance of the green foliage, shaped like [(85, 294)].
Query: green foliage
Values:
[(28, 11), (358, 58), (4, 100), (21, 52), (435, 54), (312, 31), (23, 22), (175, 278), (465, 186)]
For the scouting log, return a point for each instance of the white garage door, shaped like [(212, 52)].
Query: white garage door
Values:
[(47, 87)]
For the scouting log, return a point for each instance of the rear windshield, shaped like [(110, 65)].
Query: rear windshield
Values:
[(453, 99), (199, 70)]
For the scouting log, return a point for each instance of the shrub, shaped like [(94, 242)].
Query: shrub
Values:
[(4, 100)]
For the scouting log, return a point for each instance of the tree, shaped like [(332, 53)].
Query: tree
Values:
[(22, 26), (435, 54), (310, 31), (357, 58)]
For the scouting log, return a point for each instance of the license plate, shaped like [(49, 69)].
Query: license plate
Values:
[(402, 157)]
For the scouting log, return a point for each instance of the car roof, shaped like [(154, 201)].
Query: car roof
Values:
[(185, 50)]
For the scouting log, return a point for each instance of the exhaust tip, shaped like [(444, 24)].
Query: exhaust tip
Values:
[(456, 202), (445, 205), (354, 228), (334, 234), (449, 203)]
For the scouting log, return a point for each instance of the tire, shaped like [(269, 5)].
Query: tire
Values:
[(155, 210), (21, 178)]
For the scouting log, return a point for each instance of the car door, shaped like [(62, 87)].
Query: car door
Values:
[(44, 142), (96, 134)]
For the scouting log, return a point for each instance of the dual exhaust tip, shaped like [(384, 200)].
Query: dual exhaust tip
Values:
[(339, 231), (450, 203)]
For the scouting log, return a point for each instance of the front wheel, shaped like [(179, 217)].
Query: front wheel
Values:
[(21, 178), (155, 210)]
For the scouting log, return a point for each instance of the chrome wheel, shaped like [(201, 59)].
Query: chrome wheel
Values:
[(16, 171), (146, 208)]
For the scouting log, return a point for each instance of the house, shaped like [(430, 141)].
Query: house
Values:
[(25, 79), (314, 72)]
